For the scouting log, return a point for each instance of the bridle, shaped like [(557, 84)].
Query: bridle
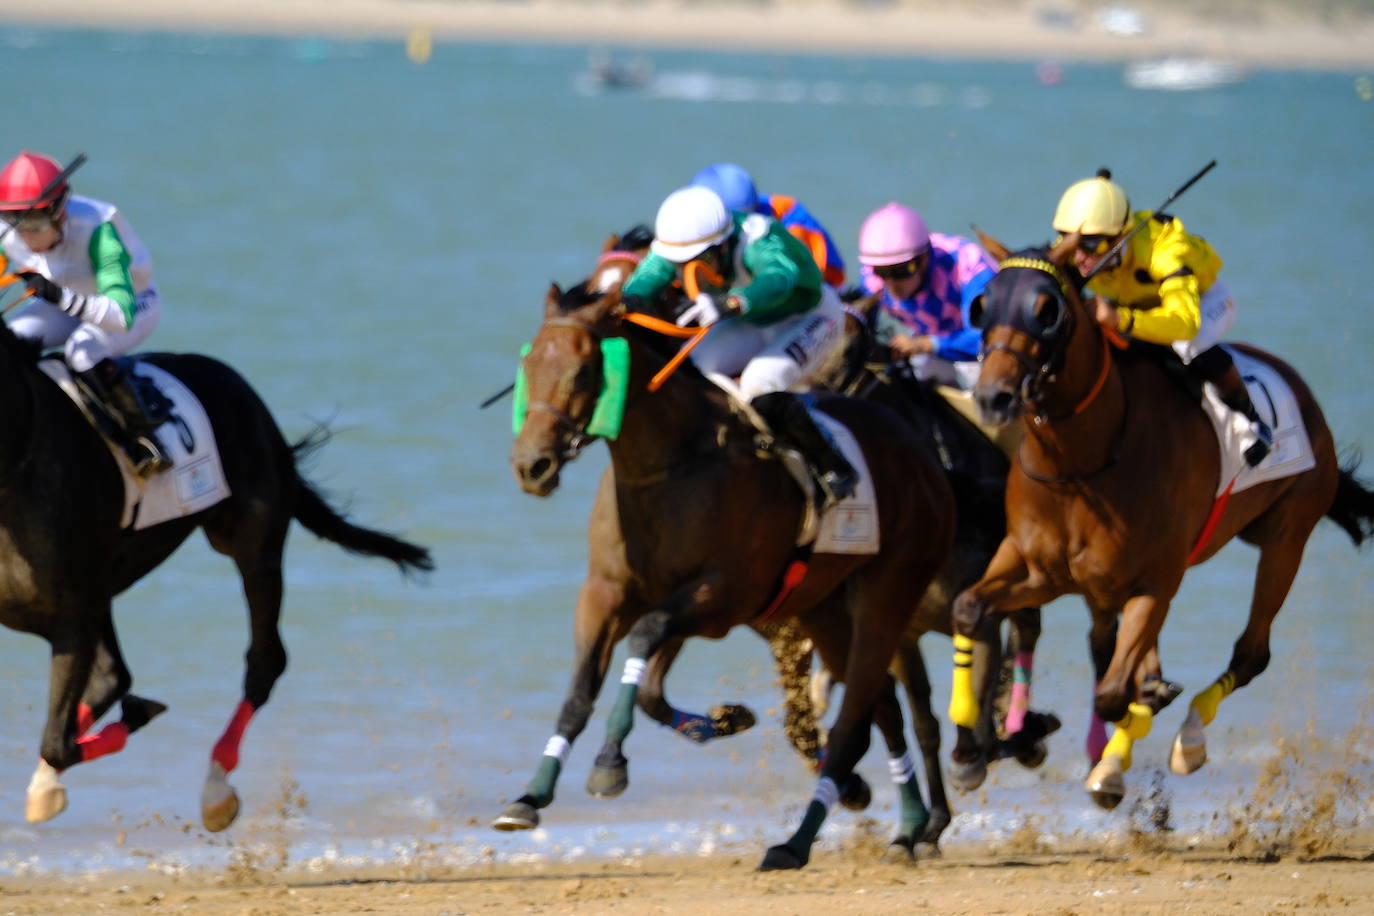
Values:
[(575, 437)]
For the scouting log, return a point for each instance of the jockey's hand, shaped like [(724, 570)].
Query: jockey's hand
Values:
[(704, 312), (911, 345), (1105, 312), (41, 286)]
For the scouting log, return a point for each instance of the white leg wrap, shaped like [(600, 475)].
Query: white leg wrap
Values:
[(901, 768), (634, 671), (826, 793), (558, 746)]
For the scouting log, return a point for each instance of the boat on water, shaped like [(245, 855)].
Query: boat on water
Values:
[(1182, 73)]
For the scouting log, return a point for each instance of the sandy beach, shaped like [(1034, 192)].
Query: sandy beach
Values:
[(1001, 30)]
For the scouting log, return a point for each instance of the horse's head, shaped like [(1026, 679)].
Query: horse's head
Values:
[(1028, 314), (563, 378), (620, 255)]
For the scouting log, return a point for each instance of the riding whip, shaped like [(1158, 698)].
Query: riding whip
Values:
[(1117, 248)]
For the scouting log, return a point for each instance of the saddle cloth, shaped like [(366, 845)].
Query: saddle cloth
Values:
[(1277, 406), (193, 483), (851, 525)]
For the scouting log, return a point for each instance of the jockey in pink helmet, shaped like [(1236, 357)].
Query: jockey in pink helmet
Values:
[(925, 283)]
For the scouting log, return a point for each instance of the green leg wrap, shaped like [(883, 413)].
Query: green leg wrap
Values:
[(915, 815), (622, 716), (805, 836), (540, 789)]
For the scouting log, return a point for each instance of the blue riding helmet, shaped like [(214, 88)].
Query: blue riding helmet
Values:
[(732, 184)]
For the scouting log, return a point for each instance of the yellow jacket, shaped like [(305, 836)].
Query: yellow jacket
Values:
[(1160, 281)]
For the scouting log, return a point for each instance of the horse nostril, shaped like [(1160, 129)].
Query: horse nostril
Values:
[(1002, 402), (539, 468)]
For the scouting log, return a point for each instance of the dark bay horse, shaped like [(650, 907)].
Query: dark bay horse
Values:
[(65, 556), (691, 535), (1103, 504)]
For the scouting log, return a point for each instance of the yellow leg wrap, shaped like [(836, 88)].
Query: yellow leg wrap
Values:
[(1134, 726), (1206, 703), (963, 705)]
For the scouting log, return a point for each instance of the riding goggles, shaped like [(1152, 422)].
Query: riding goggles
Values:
[(1096, 244), (903, 270), (32, 220)]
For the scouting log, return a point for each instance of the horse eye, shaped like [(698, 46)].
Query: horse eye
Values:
[(1048, 312)]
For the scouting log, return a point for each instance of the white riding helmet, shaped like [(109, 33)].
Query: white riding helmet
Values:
[(1093, 206), (689, 221)]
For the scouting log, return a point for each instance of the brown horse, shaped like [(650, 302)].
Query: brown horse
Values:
[(1101, 503), (692, 533)]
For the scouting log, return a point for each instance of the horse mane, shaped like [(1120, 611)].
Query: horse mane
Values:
[(22, 350)]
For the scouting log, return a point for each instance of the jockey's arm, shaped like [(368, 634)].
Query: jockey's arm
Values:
[(773, 294), (112, 306), (653, 274)]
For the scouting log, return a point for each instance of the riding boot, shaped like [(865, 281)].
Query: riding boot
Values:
[(1233, 393), (109, 381), (793, 425)]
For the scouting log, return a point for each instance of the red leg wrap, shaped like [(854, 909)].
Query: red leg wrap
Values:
[(110, 739), (226, 752)]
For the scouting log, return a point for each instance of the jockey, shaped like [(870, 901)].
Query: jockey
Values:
[(776, 324), (92, 284), (734, 186), (1162, 288), (925, 283)]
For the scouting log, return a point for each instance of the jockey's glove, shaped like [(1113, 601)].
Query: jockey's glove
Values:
[(708, 309), (40, 286)]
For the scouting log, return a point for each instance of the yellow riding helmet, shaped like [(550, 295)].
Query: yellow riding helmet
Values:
[(1093, 206)]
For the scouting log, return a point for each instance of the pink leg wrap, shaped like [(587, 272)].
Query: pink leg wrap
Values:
[(110, 739), (1020, 693), (226, 752), (85, 718), (1097, 739)]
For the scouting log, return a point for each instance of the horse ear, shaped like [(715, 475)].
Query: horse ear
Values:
[(551, 300), (993, 247), (1061, 253), (610, 244)]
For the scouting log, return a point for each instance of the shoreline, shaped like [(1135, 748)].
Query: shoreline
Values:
[(919, 28)]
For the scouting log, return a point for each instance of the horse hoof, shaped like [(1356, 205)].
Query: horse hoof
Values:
[(219, 803), (1190, 746), (608, 782), (46, 798), (731, 719), (781, 858), (965, 777), (1106, 784), (900, 852), (856, 794), (517, 816), (928, 849), (1033, 758)]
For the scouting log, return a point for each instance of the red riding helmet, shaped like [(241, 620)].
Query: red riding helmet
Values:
[(26, 184)]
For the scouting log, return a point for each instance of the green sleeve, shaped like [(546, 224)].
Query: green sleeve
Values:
[(786, 279), (652, 275), (110, 264)]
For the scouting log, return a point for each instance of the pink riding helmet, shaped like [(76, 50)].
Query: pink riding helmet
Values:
[(892, 234)]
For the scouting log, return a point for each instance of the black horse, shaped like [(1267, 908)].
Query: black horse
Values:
[(64, 556)]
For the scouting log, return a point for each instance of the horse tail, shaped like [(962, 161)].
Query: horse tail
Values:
[(322, 520), (1353, 507)]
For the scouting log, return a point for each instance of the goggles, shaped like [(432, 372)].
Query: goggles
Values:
[(32, 220), (1096, 244), (903, 270)]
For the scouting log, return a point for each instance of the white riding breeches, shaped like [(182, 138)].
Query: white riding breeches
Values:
[(776, 357), (84, 345), (1218, 315)]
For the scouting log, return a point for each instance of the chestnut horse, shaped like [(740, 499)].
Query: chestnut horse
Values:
[(65, 557), (1103, 504), (692, 533)]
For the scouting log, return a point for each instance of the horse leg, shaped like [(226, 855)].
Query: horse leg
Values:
[(719, 722), (73, 654), (1141, 619), (1026, 729), (1278, 565), (1101, 645), (911, 671), (976, 745), (261, 575), (913, 816), (1007, 584)]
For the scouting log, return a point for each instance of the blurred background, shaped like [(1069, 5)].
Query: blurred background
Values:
[(365, 228)]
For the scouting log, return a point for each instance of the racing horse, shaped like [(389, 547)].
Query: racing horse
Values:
[(1102, 504), (65, 557), (693, 533)]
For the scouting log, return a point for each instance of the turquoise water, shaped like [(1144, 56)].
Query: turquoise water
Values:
[(369, 242)]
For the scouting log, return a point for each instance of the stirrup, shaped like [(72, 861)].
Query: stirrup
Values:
[(1258, 450), (836, 487), (147, 457)]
